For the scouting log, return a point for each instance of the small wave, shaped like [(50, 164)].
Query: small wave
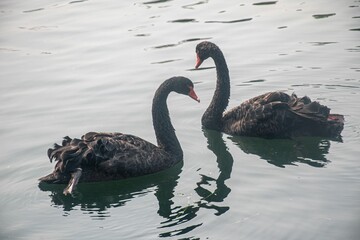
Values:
[(191, 6), (77, 1), (320, 16), (184, 20), (265, 3), (321, 43), (231, 21), (142, 35), (194, 39), (33, 10), (165, 46), (317, 85), (166, 61), (255, 81), (179, 43), (157, 1), (201, 68)]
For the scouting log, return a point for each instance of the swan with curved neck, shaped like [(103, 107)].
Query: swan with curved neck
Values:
[(270, 115), (101, 156)]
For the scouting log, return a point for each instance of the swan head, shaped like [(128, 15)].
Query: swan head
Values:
[(203, 51), (186, 86)]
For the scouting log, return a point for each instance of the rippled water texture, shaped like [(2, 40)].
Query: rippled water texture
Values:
[(69, 67)]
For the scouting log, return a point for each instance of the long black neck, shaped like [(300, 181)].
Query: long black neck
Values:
[(211, 119), (165, 132)]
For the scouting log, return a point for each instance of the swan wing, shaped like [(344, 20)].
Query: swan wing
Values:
[(258, 116)]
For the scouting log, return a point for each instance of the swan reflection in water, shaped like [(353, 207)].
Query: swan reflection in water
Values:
[(225, 163), (282, 152), (278, 152), (98, 197), (213, 200)]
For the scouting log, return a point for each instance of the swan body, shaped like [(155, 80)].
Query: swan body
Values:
[(98, 156), (270, 115)]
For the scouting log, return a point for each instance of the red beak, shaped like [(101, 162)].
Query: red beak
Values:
[(193, 95), (198, 61)]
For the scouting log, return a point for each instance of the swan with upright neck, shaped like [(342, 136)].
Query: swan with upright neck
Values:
[(270, 115), (101, 156)]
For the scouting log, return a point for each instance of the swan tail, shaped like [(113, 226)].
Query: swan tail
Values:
[(317, 116), (73, 154), (69, 156), (306, 108)]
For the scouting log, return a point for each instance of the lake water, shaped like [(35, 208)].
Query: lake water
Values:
[(69, 67)]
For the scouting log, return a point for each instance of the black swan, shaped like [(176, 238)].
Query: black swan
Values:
[(270, 115), (101, 156)]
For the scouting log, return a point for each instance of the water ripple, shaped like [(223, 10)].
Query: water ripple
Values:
[(33, 10), (179, 43), (265, 3), (320, 16), (183, 20), (200, 68), (9, 49), (231, 21), (142, 35), (157, 1), (166, 61), (194, 39), (321, 43), (165, 46), (255, 81), (38, 28), (77, 1), (250, 82), (190, 6), (325, 85)]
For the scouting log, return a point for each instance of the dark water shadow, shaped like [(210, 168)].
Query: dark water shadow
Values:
[(97, 198), (278, 152), (209, 200), (225, 162), (281, 152)]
